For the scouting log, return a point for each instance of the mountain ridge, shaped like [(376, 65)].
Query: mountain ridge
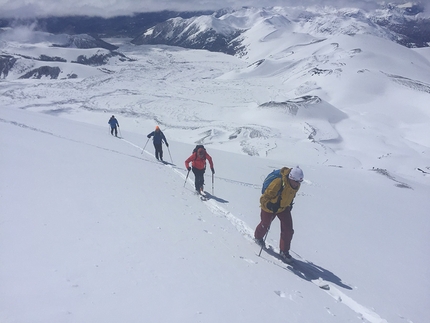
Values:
[(406, 23), (229, 31), (391, 23)]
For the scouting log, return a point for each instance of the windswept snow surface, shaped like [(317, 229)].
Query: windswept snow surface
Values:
[(94, 229)]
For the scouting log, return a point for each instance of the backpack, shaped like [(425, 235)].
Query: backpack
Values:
[(197, 148), (269, 179)]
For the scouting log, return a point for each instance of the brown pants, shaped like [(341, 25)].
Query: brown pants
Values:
[(286, 227)]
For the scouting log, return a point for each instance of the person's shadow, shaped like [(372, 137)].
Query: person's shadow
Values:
[(309, 271), (167, 163), (213, 197)]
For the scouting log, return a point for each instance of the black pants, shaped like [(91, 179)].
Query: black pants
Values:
[(158, 151), (112, 130), (199, 179)]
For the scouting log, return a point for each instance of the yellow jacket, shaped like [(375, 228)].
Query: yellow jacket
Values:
[(271, 194)]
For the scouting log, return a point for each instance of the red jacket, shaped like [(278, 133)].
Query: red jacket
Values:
[(198, 162)]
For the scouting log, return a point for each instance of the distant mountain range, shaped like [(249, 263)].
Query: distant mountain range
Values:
[(121, 26), (228, 31), (220, 30)]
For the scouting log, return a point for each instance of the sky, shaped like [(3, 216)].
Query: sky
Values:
[(30, 8), (94, 229)]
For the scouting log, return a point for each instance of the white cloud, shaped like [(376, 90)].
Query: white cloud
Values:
[(106, 8)]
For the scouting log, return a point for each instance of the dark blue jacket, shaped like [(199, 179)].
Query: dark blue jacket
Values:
[(113, 122), (158, 137)]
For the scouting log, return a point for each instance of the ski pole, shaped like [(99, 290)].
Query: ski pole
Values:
[(168, 149), (145, 146), (265, 236), (212, 183), (120, 134), (186, 178)]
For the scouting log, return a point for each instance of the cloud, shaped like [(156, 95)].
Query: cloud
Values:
[(108, 8), (105, 8), (21, 34)]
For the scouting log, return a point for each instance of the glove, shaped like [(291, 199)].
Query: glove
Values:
[(148, 136), (167, 144), (291, 206), (213, 171), (189, 168), (274, 207)]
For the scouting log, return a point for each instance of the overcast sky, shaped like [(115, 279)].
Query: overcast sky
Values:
[(107, 8)]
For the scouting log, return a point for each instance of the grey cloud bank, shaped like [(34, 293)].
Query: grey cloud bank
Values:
[(103, 8)]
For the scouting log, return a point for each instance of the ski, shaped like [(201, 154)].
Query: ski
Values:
[(202, 196), (295, 267), (270, 251)]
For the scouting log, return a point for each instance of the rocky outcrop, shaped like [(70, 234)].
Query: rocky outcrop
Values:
[(47, 71), (85, 41), (100, 59), (46, 58), (6, 63)]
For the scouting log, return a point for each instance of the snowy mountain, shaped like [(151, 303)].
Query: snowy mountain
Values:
[(30, 61), (119, 26), (203, 32), (93, 228), (229, 31), (222, 31), (300, 69)]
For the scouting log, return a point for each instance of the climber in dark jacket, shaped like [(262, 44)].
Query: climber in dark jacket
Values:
[(158, 141), (113, 126)]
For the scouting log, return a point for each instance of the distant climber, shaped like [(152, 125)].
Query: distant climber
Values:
[(158, 142), (113, 126)]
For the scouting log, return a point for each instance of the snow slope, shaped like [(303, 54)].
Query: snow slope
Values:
[(95, 230), (92, 228)]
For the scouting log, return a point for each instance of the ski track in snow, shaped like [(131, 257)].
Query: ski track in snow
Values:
[(365, 313)]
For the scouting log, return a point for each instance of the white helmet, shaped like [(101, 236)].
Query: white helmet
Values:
[(296, 174)]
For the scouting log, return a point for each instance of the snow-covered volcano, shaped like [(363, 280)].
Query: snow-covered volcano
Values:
[(94, 229), (300, 78)]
